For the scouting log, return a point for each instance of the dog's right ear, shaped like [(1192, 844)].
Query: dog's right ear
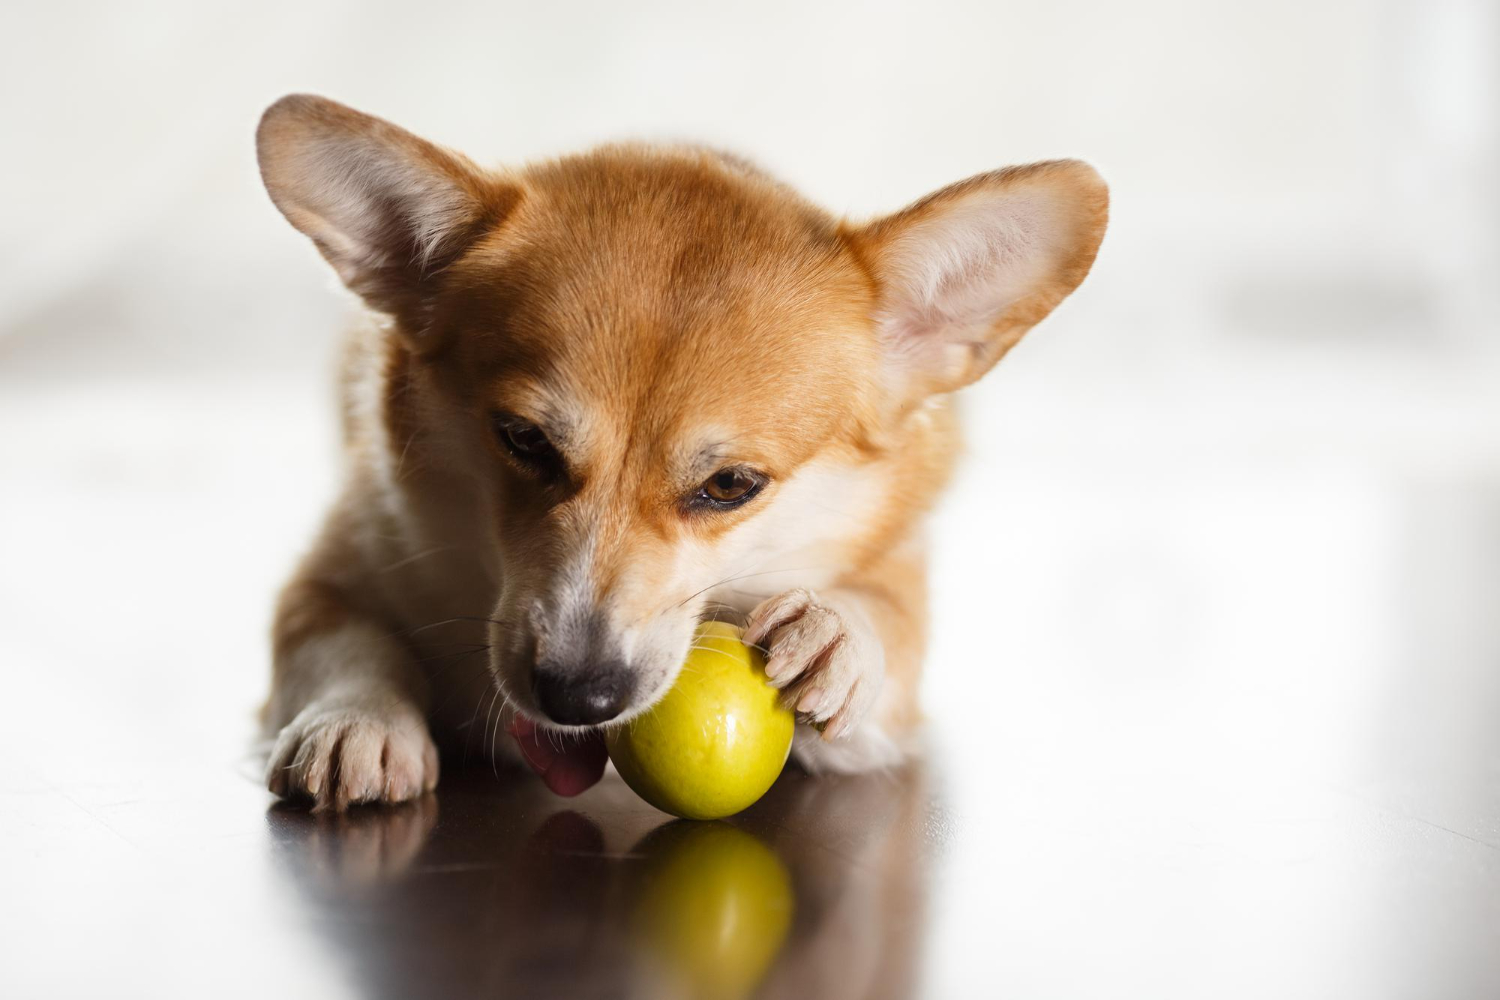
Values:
[(388, 210)]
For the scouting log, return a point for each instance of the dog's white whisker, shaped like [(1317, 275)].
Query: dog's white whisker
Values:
[(416, 557)]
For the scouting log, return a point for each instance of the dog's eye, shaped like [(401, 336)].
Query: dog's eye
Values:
[(526, 441), (728, 488)]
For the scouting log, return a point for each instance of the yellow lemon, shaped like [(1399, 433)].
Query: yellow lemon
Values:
[(716, 741)]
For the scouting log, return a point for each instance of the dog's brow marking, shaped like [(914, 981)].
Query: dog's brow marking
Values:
[(707, 457), (546, 407), (712, 452)]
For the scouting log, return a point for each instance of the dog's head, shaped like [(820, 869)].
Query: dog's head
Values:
[(662, 369)]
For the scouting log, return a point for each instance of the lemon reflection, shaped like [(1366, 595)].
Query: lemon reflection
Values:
[(712, 910)]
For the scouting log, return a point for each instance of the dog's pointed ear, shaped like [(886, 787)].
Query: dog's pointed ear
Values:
[(965, 272), (388, 210)]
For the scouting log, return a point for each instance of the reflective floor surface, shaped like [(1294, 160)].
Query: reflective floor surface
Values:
[(1215, 712)]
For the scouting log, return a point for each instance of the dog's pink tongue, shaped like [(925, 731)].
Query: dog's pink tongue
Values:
[(568, 763)]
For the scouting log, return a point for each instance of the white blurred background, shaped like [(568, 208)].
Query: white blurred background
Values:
[(1229, 535)]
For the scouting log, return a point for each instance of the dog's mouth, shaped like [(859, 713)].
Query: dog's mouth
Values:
[(567, 761)]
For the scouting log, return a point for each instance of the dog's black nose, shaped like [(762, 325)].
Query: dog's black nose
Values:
[(578, 696)]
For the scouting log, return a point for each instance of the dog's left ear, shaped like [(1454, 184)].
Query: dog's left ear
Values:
[(964, 273)]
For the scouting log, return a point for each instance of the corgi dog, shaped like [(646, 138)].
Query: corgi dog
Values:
[(599, 399)]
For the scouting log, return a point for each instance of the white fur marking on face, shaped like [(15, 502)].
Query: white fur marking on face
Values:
[(799, 540), (574, 602)]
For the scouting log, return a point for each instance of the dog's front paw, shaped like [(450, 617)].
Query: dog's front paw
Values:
[(338, 753), (824, 653)]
